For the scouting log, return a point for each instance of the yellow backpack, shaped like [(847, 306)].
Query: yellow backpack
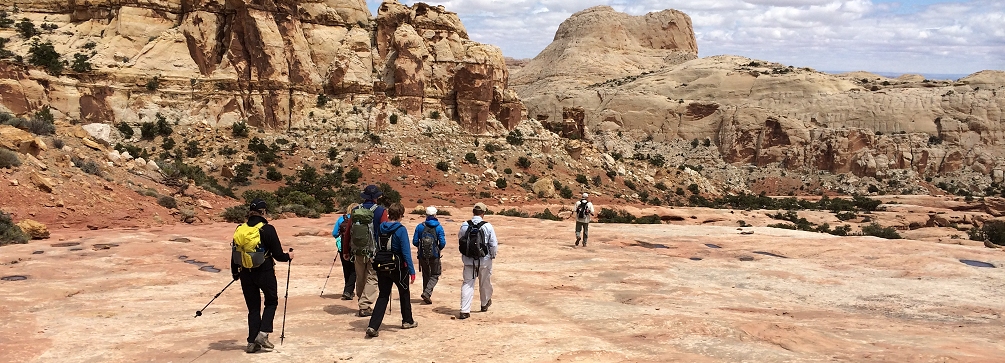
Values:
[(248, 249)]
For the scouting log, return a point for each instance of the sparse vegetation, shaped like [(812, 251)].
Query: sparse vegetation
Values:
[(26, 28), (273, 174), (8, 159), (992, 231), (515, 138), (153, 84), (443, 166), (167, 201), (352, 177), (581, 179), (491, 148), (546, 214), (322, 101), (81, 63), (501, 183), (10, 233), (470, 158), (236, 214), (523, 162), (44, 55), (192, 149), (393, 119), (876, 230), (239, 129), (126, 130), (396, 161)]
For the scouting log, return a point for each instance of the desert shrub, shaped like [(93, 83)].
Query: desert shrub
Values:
[(485, 194), (178, 171), (167, 201), (581, 179), (273, 174), (877, 230), (546, 214), (10, 233), (81, 63), (565, 192), (649, 219), (322, 101), (309, 188), (393, 119), (693, 188), (332, 153), (396, 160), (846, 216), (389, 196), (491, 148), (153, 84), (470, 158), (661, 186), (991, 231), (192, 149), (523, 162), (841, 230), (443, 166), (679, 191), (352, 177), (8, 159), (515, 138), (148, 131), (126, 130), (612, 174), (162, 127), (596, 180), (26, 28), (657, 160), (242, 174), (168, 144), (239, 129), (800, 223), (513, 212), (41, 123), (299, 210), (265, 154), (236, 214), (607, 215), (501, 183), (694, 143), (5, 21), (435, 115), (58, 143), (630, 184), (90, 167), (346, 195), (742, 223), (508, 171)]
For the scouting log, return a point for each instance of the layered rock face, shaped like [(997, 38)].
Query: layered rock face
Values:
[(267, 62), (761, 113)]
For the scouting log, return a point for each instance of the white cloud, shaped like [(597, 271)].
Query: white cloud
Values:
[(955, 37)]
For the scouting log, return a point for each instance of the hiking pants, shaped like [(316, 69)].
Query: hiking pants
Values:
[(431, 269), (366, 282), (252, 283), (349, 271), (384, 282), (484, 273), (585, 228)]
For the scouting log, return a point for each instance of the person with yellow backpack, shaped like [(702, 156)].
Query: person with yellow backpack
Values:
[(256, 247)]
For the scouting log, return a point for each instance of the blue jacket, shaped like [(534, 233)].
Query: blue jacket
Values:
[(399, 243), (338, 225), (441, 237)]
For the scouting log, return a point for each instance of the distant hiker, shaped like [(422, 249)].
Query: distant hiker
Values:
[(430, 240), (363, 226), (584, 209), (478, 245), (393, 264), (345, 255), (256, 246)]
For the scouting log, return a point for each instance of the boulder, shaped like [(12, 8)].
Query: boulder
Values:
[(33, 229), (544, 188), (40, 181), (100, 132), (91, 144), (21, 141)]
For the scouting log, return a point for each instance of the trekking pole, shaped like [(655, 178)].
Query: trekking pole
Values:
[(329, 276), (199, 313), (287, 299)]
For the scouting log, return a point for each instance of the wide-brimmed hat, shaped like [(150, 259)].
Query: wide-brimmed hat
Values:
[(371, 192)]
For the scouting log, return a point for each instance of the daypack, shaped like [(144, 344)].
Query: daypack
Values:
[(428, 241), (343, 232), (247, 246), (385, 260), (582, 209), (473, 243), (361, 231)]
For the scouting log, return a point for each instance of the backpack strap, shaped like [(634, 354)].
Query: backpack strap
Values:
[(391, 236)]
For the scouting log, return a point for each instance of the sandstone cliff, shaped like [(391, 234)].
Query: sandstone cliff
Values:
[(267, 62), (765, 113)]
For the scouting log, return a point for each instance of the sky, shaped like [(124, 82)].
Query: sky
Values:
[(954, 37)]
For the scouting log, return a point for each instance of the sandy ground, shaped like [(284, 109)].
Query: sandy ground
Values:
[(637, 293)]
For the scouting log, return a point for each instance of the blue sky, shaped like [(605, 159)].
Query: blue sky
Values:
[(906, 36)]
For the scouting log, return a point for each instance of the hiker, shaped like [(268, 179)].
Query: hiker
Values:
[(478, 246), (584, 209), (345, 255), (430, 240), (362, 228), (391, 262), (256, 247)]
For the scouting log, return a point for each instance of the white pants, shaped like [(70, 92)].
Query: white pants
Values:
[(484, 284)]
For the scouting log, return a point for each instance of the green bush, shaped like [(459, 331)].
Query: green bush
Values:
[(5, 21), (513, 212), (846, 216), (265, 154), (396, 161), (168, 143), (501, 183), (693, 188), (236, 214), (491, 148), (322, 101), (153, 84), (581, 179), (649, 219), (167, 201), (8, 159), (347, 195), (394, 119), (389, 195), (661, 186), (273, 174), (612, 174), (162, 127), (565, 192), (435, 115), (470, 158), (239, 129), (515, 138), (26, 28), (192, 149), (242, 174), (148, 131), (311, 189), (181, 172), (546, 214), (484, 195), (876, 230), (443, 166), (991, 231), (41, 123), (10, 233), (332, 153), (614, 216), (88, 166), (81, 63), (126, 130), (352, 177), (523, 162), (630, 184)]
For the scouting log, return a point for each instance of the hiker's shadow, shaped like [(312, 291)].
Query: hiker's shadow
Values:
[(225, 345), (446, 311), (340, 310)]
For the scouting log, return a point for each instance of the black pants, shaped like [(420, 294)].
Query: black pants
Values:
[(384, 282), (349, 271), (252, 283)]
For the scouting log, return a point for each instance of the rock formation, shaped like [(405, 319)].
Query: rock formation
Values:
[(221, 62), (759, 112)]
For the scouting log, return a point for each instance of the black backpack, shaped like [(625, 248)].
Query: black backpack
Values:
[(385, 260), (582, 209), (474, 243), (428, 241)]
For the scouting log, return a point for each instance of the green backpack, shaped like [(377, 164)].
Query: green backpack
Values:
[(361, 231)]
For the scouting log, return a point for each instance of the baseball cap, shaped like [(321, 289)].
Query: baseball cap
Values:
[(586, 195), (481, 207), (430, 211), (258, 205)]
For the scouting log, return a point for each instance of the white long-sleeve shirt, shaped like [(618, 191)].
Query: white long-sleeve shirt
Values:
[(490, 234), (589, 211)]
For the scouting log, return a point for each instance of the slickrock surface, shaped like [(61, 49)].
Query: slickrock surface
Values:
[(637, 293)]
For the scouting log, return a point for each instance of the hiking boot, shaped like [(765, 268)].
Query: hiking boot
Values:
[(371, 332), (464, 316), (364, 313), (346, 296), (426, 300), (486, 306), (577, 241), (409, 325), (263, 340), (253, 347)]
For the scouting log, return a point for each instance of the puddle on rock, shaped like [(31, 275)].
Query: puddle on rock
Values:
[(709, 245), (76, 249), (194, 262), (209, 268), (650, 245), (769, 254), (695, 258), (38, 252), (977, 263), (14, 278), (746, 258), (179, 239), (65, 244), (182, 257), (104, 246)]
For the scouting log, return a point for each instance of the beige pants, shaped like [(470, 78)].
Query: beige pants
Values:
[(366, 282)]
